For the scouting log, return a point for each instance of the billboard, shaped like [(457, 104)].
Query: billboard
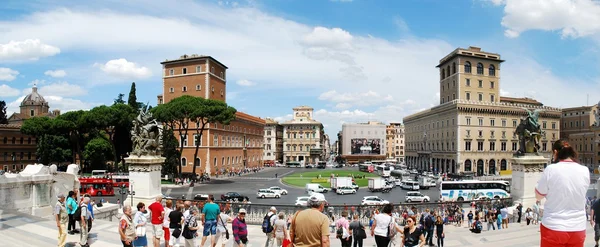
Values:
[(365, 146)]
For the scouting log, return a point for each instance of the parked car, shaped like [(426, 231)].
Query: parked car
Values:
[(234, 196), (302, 201), (264, 193), (278, 190), (373, 200), (416, 197), (308, 166), (410, 185), (343, 190), (201, 197)]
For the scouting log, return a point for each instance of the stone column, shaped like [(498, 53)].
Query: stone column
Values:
[(144, 178), (526, 171)]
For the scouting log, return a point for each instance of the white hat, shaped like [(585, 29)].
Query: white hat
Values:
[(242, 211), (317, 197), (273, 209)]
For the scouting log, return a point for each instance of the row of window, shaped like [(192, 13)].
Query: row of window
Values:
[(444, 73), (503, 122), (225, 161), (301, 135), (576, 125), (21, 140), (492, 146), (480, 96), (184, 71), (226, 141), (491, 166), (14, 157), (198, 88), (300, 147), (14, 167)]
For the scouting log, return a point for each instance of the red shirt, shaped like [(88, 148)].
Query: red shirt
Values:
[(156, 210)]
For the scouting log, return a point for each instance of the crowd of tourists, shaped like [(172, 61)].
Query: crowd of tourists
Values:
[(71, 210)]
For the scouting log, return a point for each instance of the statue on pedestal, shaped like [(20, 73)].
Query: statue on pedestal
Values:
[(146, 135), (529, 132)]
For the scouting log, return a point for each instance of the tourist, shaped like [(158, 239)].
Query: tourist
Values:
[(139, 221), (126, 227), (477, 226), (210, 212), (62, 218), (240, 229), (470, 217), (595, 220), (343, 224), (536, 212), (310, 226), (332, 224), (186, 208), (528, 215), (490, 220), (191, 226), (157, 214), (520, 212), (428, 227), (175, 221), (564, 185), (499, 220), (357, 232), (413, 236), (85, 216), (166, 224), (504, 213), (90, 207), (381, 226), (271, 216), (439, 231), (222, 232), (280, 229), (72, 206)]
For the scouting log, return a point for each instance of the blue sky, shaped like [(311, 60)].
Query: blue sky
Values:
[(353, 61)]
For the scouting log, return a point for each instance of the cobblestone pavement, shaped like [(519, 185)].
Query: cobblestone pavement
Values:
[(28, 231)]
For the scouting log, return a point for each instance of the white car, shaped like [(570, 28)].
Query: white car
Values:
[(416, 197), (278, 190), (345, 190), (373, 200), (264, 193), (302, 201)]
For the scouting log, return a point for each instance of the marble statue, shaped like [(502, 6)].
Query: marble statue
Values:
[(529, 132), (597, 116), (146, 135)]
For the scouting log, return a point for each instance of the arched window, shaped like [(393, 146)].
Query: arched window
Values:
[(453, 68), (492, 70), (448, 69), (183, 161), (467, 67), (479, 69), (503, 165), (197, 163), (467, 165), (443, 74)]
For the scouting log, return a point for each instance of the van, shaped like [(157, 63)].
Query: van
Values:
[(410, 185), (315, 188)]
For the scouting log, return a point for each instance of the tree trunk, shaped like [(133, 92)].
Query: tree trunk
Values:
[(199, 132)]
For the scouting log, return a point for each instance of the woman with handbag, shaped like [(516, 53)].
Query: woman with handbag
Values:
[(139, 222), (280, 229), (175, 222), (190, 226), (222, 232), (358, 232), (384, 228)]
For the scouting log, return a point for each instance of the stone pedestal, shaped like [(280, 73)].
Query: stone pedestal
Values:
[(526, 172), (144, 178)]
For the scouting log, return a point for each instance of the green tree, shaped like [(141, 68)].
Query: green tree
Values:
[(119, 99), (98, 151), (115, 121), (3, 116), (170, 152), (52, 143), (132, 101), (73, 125), (188, 113)]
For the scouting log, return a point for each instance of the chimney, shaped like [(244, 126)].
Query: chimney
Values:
[(474, 48)]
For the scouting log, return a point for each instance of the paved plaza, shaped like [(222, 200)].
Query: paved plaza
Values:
[(19, 229)]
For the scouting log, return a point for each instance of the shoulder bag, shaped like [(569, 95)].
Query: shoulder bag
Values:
[(362, 234), (140, 231), (187, 233), (391, 228), (224, 226)]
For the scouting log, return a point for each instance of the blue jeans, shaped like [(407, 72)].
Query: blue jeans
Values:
[(210, 227)]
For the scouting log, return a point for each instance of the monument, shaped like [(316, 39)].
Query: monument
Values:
[(145, 161), (527, 164)]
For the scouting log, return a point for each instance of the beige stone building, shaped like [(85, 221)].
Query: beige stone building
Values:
[(273, 144), (580, 126), (303, 138), (473, 128), (394, 138)]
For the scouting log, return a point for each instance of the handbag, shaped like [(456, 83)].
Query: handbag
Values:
[(224, 226), (140, 231), (187, 233), (391, 228), (286, 243), (176, 233), (361, 234)]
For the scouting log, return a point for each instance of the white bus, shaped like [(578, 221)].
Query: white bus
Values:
[(468, 190)]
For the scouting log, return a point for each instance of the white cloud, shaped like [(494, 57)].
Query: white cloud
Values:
[(7, 74), (122, 68), (7, 91), (55, 102), (358, 99), (63, 89), (245, 83), (504, 93), (572, 18), (30, 49), (56, 73), (336, 38), (37, 82)]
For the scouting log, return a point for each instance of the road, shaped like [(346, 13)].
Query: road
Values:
[(249, 184)]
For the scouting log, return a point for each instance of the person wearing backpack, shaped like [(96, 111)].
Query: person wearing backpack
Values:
[(267, 226), (71, 206), (429, 224), (477, 226), (343, 230)]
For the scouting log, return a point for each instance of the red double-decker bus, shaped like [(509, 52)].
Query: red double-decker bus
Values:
[(120, 180), (97, 186)]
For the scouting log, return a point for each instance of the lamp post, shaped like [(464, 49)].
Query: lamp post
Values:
[(124, 192)]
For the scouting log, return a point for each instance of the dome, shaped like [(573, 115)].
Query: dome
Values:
[(34, 98)]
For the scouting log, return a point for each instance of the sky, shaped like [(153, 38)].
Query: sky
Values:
[(351, 60)]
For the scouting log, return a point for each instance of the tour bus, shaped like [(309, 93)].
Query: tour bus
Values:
[(366, 167), (468, 190), (96, 186), (120, 180)]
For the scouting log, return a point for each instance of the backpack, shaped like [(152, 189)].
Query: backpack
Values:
[(478, 226), (77, 214), (266, 225), (339, 232), (429, 222)]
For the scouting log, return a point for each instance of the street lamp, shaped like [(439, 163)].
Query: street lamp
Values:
[(124, 192)]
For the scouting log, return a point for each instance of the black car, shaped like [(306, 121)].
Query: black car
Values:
[(234, 196), (201, 197)]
